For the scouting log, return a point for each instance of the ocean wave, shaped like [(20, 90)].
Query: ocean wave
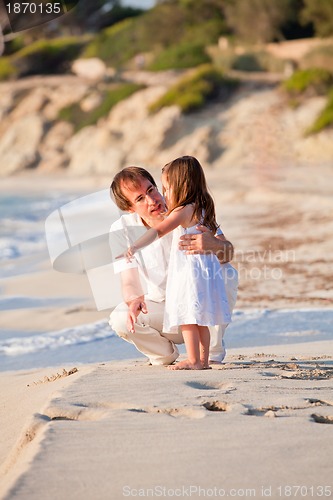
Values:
[(92, 332), (22, 221)]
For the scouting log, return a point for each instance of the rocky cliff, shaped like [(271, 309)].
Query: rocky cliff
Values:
[(256, 128)]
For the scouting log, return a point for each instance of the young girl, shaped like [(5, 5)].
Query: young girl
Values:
[(195, 291)]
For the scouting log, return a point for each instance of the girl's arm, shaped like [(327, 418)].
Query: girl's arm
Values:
[(180, 215)]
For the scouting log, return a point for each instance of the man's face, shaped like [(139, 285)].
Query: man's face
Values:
[(145, 200)]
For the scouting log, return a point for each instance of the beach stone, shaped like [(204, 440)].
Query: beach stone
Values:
[(19, 144), (270, 414), (90, 69), (91, 102)]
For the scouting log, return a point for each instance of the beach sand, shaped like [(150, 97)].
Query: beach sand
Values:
[(109, 428), (258, 423)]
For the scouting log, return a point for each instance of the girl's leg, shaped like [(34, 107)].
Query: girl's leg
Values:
[(204, 337), (192, 343)]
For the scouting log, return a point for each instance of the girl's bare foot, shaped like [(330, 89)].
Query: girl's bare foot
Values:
[(205, 365), (186, 365)]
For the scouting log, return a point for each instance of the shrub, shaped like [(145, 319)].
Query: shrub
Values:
[(247, 62), (259, 60), (184, 55), (320, 13), (14, 45), (325, 118), (115, 45), (192, 92), (48, 56), (79, 118), (171, 30), (308, 82), (7, 70)]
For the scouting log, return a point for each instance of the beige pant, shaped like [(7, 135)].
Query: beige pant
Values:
[(161, 347)]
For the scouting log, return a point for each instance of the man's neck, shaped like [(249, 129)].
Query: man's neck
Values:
[(152, 222)]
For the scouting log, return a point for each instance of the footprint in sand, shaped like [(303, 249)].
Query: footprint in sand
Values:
[(211, 386), (322, 419), (217, 406)]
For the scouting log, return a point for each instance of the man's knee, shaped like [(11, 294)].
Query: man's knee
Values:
[(118, 321)]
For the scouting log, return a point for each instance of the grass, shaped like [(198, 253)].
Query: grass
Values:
[(79, 118), (7, 69), (193, 92), (183, 55), (309, 82), (325, 118), (117, 44), (48, 56), (165, 32)]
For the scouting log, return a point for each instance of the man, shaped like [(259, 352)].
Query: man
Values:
[(139, 318)]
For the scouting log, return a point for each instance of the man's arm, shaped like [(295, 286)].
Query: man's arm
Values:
[(206, 242), (133, 295)]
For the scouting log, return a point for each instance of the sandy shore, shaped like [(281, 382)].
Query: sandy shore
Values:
[(127, 424), (258, 421)]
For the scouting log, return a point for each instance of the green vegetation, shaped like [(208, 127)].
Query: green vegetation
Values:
[(79, 118), (320, 14), (309, 82), (7, 70), (184, 55), (194, 91), (115, 45), (325, 118), (14, 45), (174, 33), (48, 56), (247, 62), (260, 21)]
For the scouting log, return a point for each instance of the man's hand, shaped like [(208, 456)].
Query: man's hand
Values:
[(135, 307), (206, 242)]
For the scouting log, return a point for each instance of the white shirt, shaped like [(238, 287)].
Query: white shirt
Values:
[(151, 261)]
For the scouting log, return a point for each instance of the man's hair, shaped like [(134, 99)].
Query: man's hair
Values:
[(133, 175)]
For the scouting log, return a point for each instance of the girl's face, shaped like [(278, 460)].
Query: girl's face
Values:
[(167, 191)]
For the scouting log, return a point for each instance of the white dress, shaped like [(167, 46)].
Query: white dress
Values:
[(195, 290)]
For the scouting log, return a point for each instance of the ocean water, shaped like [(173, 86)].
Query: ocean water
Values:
[(23, 247), (22, 234)]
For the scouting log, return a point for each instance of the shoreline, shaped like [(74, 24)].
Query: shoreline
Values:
[(279, 383)]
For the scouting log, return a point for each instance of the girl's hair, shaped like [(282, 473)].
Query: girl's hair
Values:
[(186, 177)]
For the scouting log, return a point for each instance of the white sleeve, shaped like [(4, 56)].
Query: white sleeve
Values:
[(118, 242)]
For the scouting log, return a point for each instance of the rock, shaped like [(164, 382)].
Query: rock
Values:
[(91, 69), (94, 151), (52, 155), (32, 103), (91, 102), (62, 96), (141, 135), (19, 144)]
